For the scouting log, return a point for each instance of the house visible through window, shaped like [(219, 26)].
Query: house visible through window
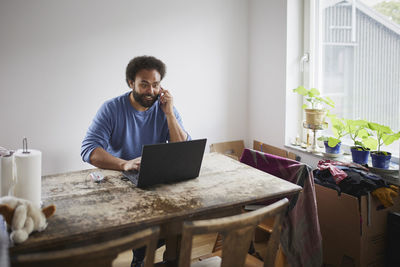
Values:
[(358, 59)]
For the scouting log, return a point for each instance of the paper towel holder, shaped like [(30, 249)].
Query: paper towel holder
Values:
[(25, 146)]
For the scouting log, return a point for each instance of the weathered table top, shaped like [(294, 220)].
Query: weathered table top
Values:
[(89, 211)]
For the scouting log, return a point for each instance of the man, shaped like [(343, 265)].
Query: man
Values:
[(146, 115)]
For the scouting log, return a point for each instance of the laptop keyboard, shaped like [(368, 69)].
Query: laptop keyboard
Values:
[(132, 176)]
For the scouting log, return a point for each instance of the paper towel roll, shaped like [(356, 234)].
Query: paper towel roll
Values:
[(28, 174), (6, 175)]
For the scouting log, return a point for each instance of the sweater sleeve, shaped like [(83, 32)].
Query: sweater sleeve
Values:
[(179, 119), (99, 132)]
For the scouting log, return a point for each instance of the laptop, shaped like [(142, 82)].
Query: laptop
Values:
[(168, 163)]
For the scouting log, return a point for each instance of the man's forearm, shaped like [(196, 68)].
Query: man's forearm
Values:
[(176, 133), (104, 160)]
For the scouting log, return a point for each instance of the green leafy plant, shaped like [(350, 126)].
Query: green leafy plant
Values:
[(314, 97), (338, 128), (359, 133), (390, 9), (384, 135)]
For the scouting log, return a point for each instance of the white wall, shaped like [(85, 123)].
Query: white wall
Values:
[(60, 60), (275, 47), (267, 71), (294, 77)]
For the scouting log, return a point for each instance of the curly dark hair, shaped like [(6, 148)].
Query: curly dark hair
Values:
[(144, 62)]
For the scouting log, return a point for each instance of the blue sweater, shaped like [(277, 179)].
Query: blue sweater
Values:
[(121, 130)]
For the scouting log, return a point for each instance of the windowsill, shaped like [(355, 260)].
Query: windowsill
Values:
[(304, 154), (312, 158)]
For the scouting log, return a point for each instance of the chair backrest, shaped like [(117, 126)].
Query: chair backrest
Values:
[(101, 254), (237, 232), (257, 145), (233, 149)]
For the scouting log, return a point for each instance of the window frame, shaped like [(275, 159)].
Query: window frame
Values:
[(312, 71)]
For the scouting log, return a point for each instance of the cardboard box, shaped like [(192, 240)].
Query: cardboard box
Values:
[(352, 236)]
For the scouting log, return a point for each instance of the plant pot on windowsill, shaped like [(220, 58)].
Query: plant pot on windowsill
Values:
[(381, 159), (315, 116), (332, 150), (359, 154), (384, 136)]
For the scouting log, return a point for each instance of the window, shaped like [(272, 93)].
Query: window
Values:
[(356, 53)]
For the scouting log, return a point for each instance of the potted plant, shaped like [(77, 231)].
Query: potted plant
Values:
[(332, 144), (315, 111), (384, 136), (363, 142)]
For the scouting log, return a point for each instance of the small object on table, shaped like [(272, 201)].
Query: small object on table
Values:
[(97, 177)]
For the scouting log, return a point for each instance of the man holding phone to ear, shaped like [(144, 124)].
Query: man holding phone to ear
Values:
[(146, 115)]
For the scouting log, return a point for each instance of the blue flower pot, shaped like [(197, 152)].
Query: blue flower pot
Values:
[(381, 161), (359, 156), (332, 150)]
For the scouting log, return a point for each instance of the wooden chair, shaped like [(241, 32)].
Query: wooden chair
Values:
[(298, 173), (237, 232), (257, 145), (266, 226), (233, 149), (101, 254)]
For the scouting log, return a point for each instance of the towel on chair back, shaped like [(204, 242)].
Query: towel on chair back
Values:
[(301, 239)]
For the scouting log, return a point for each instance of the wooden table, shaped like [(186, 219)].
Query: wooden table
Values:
[(89, 212)]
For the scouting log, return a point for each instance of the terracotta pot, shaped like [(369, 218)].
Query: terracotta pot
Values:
[(315, 116)]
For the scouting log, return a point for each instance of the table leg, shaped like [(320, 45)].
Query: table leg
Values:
[(172, 242)]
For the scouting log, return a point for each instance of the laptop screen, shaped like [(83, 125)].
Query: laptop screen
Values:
[(170, 162)]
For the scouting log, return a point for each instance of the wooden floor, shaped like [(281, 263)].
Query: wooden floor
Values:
[(202, 244)]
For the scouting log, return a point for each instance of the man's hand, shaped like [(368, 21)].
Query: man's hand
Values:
[(104, 160), (167, 105), (133, 164), (167, 102)]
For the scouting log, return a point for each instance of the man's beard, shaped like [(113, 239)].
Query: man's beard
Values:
[(143, 100)]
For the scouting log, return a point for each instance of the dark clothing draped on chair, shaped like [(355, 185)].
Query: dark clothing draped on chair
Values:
[(301, 239)]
